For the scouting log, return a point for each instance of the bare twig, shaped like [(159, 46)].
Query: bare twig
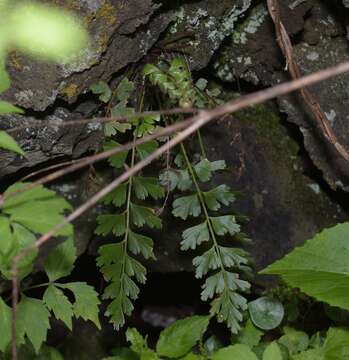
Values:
[(195, 123), (285, 44)]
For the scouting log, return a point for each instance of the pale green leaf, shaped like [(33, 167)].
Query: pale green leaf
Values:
[(186, 206), (172, 179), (225, 224), (180, 337), (46, 32), (6, 238), (320, 268), (295, 341), (235, 352), (33, 320), (60, 261), (336, 346), (272, 352), (195, 236), (266, 313), (217, 196), (102, 89), (205, 168), (7, 142), (86, 301), (5, 325), (147, 186), (57, 302)]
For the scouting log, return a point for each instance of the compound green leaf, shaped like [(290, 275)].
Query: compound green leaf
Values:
[(209, 260), (147, 186), (58, 303), (186, 206), (217, 196), (320, 268), (225, 224), (7, 142), (266, 313), (180, 337), (195, 236), (33, 320), (142, 215), (111, 224), (86, 301)]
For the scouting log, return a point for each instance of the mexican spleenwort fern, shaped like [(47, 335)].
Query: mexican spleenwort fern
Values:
[(23, 216), (221, 265), (117, 261)]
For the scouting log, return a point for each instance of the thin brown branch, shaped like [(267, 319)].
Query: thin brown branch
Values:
[(195, 123), (314, 106)]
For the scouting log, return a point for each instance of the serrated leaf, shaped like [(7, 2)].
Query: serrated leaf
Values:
[(130, 288), (117, 197), (86, 301), (140, 244), (102, 89), (217, 196), (5, 325), (7, 142), (60, 261), (336, 346), (172, 179), (139, 345), (110, 260), (146, 149), (147, 186), (229, 307), (205, 168), (142, 215), (272, 352), (180, 337), (248, 335), (238, 352), (124, 89), (33, 320), (320, 267), (136, 269), (207, 261), (201, 84), (58, 303), (266, 313), (111, 224), (186, 206), (232, 257), (39, 210), (111, 128), (118, 159), (146, 125), (225, 224), (195, 236), (8, 108)]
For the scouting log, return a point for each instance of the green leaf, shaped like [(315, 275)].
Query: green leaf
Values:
[(147, 186), (8, 108), (201, 84), (117, 197), (225, 224), (115, 224), (186, 206), (6, 238), (124, 89), (238, 352), (46, 32), (295, 341), (147, 125), (86, 301), (191, 356), (180, 337), (142, 215), (217, 196), (249, 335), (205, 169), (195, 236), (319, 268), (146, 149), (272, 352), (60, 261), (140, 244), (38, 209), (209, 260), (139, 345), (313, 354), (7, 142), (58, 303), (336, 346), (5, 325), (117, 160), (33, 320), (102, 89), (266, 313), (172, 179)]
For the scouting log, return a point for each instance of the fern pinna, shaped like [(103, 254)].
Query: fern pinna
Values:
[(117, 261), (221, 265)]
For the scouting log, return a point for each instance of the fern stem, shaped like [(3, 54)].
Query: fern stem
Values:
[(201, 143)]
